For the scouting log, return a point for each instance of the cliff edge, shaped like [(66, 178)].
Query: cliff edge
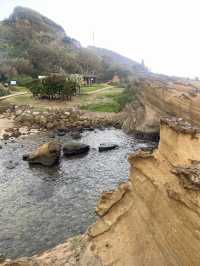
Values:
[(154, 217), (162, 96)]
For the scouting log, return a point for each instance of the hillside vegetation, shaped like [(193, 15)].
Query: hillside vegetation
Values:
[(31, 45)]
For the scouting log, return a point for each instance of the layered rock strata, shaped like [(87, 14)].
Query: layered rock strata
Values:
[(157, 97), (155, 218)]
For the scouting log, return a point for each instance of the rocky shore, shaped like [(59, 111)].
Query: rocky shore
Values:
[(153, 218), (25, 120)]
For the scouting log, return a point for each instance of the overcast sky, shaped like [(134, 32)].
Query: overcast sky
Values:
[(165, 33)]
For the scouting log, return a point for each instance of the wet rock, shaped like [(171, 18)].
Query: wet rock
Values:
[(25, 157), (76, 135), (75, 148), (50, 125), (6, 136), (107, 146), (51, 135), (48, 154), (61, 133), (89, 129), (16, 133)]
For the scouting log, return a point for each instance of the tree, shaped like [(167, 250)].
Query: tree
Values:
[(54, 87)]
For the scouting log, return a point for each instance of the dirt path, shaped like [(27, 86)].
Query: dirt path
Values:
[(12, 95), (97, 91)]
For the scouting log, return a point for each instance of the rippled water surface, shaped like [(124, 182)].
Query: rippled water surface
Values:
[(40, 207)]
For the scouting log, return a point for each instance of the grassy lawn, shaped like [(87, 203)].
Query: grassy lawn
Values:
[(105, 101), (102, 101), (19, 89), (93, 87), (102, 107), (27, 99), (110, 93)]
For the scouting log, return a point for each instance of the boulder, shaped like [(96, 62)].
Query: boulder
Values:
[(50, 125), (48, 154), (6, 136), (61, 133), (76, 135), (51, 135), (74, 148), (107, 146)]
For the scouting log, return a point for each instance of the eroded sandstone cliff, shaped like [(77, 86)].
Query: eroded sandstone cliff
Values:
[(153, 218), (162, 96)]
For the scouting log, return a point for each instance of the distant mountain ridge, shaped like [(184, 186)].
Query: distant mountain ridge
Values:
[(32, 44), (115, 57)]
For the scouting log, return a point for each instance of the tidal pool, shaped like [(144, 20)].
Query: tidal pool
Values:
[(40, 207)]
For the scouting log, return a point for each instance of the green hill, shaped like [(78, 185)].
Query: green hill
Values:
[(31, 45)]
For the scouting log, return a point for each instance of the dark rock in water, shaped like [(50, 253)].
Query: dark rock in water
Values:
[(100, 127), (61, 129), (107, 146), (88, 128), (1, 147), (76, 135), (61, 133), (51, 135), (5, 136), (75, 148), (48, 154), (11, 165), (25, 157)]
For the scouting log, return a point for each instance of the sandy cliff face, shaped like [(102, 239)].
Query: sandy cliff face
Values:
[(162, 97), (153, 218)]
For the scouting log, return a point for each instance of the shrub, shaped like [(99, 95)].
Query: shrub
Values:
[(127, 96), (3, 91), (54, 87)]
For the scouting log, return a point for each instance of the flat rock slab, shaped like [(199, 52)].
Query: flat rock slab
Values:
[(108, 146), (74, 148)]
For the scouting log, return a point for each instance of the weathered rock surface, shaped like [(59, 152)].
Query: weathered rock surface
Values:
[(157, 221), (48, 154), (75, 148), (154, 217), (66, 254), (107, 146), (159, 96)]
